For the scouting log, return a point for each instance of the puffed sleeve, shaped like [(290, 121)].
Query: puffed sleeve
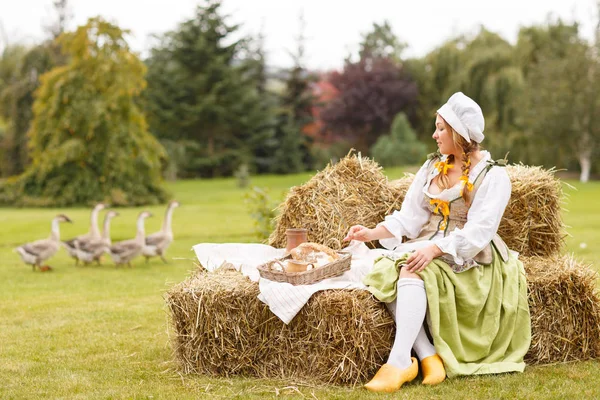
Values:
[(413, 214), (483, 218)]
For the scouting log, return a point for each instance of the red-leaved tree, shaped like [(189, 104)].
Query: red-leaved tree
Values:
[(370, 93)]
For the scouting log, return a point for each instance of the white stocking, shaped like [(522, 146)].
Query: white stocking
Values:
[(411, 305), (422, 345), (391, 306)]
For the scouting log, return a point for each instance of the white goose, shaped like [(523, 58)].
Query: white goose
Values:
[(92, 250), (157, 243), (35, 252), (93, 234), (125, 251)]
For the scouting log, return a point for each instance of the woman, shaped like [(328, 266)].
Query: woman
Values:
[(454, 264)]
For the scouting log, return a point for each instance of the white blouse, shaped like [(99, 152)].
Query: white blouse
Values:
[(483, 217)]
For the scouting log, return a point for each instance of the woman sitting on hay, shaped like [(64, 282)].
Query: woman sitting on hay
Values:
[(454, 264)]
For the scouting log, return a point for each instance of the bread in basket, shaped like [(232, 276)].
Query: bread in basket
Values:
[(326, 263)]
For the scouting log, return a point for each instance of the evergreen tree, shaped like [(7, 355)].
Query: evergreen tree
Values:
[(201, 89), (264, 142), (89, 139), (287, 156), (293, 146)]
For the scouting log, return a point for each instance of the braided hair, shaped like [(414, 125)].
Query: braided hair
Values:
[(467, 150)]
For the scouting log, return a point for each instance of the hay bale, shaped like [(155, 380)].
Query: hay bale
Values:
[(343, 336), (221, 328), (565, 310), (532, 223), (353, 191)]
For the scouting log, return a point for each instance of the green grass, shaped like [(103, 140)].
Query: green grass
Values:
[(101, 332)]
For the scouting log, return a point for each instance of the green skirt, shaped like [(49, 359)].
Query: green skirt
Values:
[(479, 318)]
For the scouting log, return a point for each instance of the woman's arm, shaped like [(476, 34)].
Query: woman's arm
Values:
[(413, 214)]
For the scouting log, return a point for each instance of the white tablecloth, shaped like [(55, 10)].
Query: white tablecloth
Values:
[(284, 300)]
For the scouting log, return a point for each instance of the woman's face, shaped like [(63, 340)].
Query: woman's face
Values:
[(443, 136)]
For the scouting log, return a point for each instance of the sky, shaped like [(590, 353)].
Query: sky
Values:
[(333, 27)]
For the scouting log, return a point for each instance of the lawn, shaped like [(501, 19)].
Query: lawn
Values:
[(102, 332)]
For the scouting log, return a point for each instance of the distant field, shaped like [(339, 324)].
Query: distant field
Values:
[(101, 331)]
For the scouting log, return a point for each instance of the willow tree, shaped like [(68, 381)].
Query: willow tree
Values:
[(482, 66), (563, 94), (89, 140)]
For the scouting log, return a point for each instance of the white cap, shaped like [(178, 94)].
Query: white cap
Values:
[(464, 116)]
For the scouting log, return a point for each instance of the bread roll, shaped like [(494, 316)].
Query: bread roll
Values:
[(305, 249)]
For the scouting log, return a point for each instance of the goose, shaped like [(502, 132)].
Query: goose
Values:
[(92, 250), (125, 251), (93, 234), (35, 252), (157, 243)]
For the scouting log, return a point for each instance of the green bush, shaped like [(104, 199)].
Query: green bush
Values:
[(400, 147)]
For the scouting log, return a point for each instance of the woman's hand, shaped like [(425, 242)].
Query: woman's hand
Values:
[(364, 234), (420, 258), (360, 233)]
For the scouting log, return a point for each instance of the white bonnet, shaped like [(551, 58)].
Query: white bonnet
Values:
[(464, 116)]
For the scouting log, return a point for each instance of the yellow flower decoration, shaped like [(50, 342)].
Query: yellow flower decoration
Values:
[(465, 176), (443, 167), (468, 162), (466, 183), (442, 207)]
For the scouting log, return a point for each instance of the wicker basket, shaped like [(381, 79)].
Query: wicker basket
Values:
[(335, 268)]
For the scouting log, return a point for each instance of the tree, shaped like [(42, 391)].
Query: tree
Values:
[(493, 78), (295, 113), (381, 42), (484, 67), (63, 16), (286, 156), (370, 94), (437, 77), (16, 90), (265, 142), (400, 147), (16, 102), (538, 41), (89, 139), (11, 61), (563, 94), (201, 89)]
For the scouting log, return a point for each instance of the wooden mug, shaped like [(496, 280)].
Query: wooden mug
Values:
[(295, 237)]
